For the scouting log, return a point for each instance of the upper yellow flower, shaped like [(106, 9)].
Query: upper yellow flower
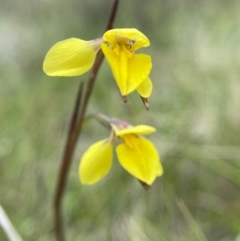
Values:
[(72, 57), (136, 154)]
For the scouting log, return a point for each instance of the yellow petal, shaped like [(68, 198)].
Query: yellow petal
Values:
[(111, 36), (96, 162), (145, 89), (118, 66), (71, 57), (129, 73), (139, 66), (137, 130), (141, 160)]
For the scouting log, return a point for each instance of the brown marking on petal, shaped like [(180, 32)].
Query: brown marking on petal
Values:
[(145, 185), (126, 41), (145, 102), (124, 98)]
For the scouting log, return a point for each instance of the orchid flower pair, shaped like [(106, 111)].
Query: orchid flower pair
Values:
[(136, 154)]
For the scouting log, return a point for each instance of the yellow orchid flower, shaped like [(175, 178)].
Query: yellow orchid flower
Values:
[(136, 154), (73, 57), (129, 69)]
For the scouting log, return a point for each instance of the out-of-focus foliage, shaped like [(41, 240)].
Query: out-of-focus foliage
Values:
[(195, 105)]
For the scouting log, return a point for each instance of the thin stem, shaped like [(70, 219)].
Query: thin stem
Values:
[(69, 148), (102, 119), (74, 133), (96, 67)]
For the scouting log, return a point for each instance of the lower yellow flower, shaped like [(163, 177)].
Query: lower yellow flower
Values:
[(136, 154)]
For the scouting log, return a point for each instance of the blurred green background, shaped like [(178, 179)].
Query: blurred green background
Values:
[(195, 106)]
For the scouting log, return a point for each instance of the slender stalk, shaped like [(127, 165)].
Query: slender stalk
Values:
[(67, 155), (74, 133)]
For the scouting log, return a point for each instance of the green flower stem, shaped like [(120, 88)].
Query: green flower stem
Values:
[(75, 127), (102, 119)]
